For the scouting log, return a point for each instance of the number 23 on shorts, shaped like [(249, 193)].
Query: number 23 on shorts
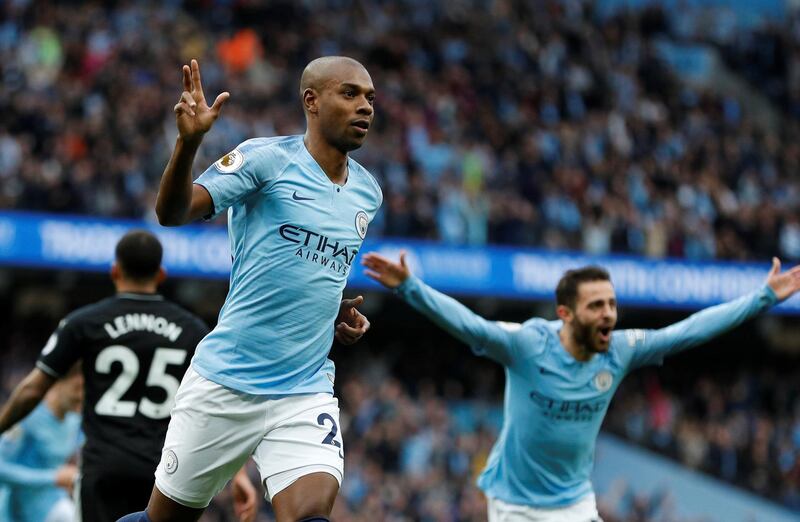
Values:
[(329, 439)]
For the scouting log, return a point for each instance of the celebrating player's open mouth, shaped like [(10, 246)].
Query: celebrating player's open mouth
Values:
[(604, 334)]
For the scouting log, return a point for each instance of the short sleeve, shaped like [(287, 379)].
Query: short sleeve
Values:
[(62, 350), (243, 171)]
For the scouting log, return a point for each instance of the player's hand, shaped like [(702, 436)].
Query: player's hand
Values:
[(193, 115), (351, 324), (244, 497), (66, 475), (386, 272), (783, 284)]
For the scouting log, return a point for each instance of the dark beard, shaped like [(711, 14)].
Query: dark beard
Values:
[(582, 335)]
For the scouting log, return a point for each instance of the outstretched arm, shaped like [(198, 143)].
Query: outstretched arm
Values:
[(652, 346), (25, 397), (494, 338), (179, 200), (21, 475)]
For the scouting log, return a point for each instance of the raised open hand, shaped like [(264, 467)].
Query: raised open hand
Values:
[(194, 116), (784, 284), (385, 271)]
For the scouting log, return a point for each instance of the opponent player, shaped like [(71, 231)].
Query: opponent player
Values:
[(560, 378), (134, 348), (34, 476), (261, 383)]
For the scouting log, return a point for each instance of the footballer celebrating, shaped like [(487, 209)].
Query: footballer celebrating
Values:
[(261, 383), (560, 378)]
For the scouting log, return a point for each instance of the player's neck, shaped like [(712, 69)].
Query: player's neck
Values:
[(573, 347), (332, 161), (133, 287)]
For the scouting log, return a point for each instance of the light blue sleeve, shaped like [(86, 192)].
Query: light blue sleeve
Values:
[(496, 340), (643, 347), (17, 474), (248, 168)]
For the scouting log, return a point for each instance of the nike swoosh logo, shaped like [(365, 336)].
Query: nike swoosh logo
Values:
[(300, 198)]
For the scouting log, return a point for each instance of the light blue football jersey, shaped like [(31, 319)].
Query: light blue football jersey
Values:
[(30, 453), (294, 235), (554, 405)]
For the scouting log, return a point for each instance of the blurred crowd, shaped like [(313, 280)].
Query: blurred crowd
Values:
[(499, 121), (743, 426), (416, 457)]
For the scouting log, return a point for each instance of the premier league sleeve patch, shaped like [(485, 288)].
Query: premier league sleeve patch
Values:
[(230, 162)]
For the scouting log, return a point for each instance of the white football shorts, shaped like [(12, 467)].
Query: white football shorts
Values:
[(585, 510), (214, 429)]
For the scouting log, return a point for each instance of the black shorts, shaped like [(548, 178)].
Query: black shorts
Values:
[(106, 496)]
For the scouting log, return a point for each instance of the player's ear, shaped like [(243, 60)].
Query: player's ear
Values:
[(564, 313), (161, 276), (310, 101), (115, 272)]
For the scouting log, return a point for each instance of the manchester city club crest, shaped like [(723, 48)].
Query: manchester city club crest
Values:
[(170, 462), (362, 222), (603, 380)]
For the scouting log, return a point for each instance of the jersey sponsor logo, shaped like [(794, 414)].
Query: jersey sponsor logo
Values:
[(230, 162), (318, 248), (603, 380), (634, 337), (574, 411), (362, 222), (143, 322), (170, 462), (297, 197)]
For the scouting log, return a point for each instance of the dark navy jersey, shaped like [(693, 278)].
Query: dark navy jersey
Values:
[(134, 349)]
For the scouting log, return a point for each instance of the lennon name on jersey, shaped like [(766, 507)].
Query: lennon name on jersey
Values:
[(123, 324)]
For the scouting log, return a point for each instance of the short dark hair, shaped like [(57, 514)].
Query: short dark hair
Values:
[(139, 254), (567, 289)]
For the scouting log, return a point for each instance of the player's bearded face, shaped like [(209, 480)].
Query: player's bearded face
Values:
[(595, 315)]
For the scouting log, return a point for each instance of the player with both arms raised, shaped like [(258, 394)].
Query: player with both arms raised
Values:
[(560, 378)]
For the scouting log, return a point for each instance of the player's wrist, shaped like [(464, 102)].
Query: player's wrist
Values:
[(771, 293), (190, 142), (405, 284)]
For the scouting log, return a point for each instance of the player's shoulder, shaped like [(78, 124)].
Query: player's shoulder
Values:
[(628, 338), (94, 312), (274, 149), (625, 343), (541, 326), (285, 144), (532, 331), (364, 175)]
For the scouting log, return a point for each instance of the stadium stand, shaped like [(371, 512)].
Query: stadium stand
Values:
[(526, 124)]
